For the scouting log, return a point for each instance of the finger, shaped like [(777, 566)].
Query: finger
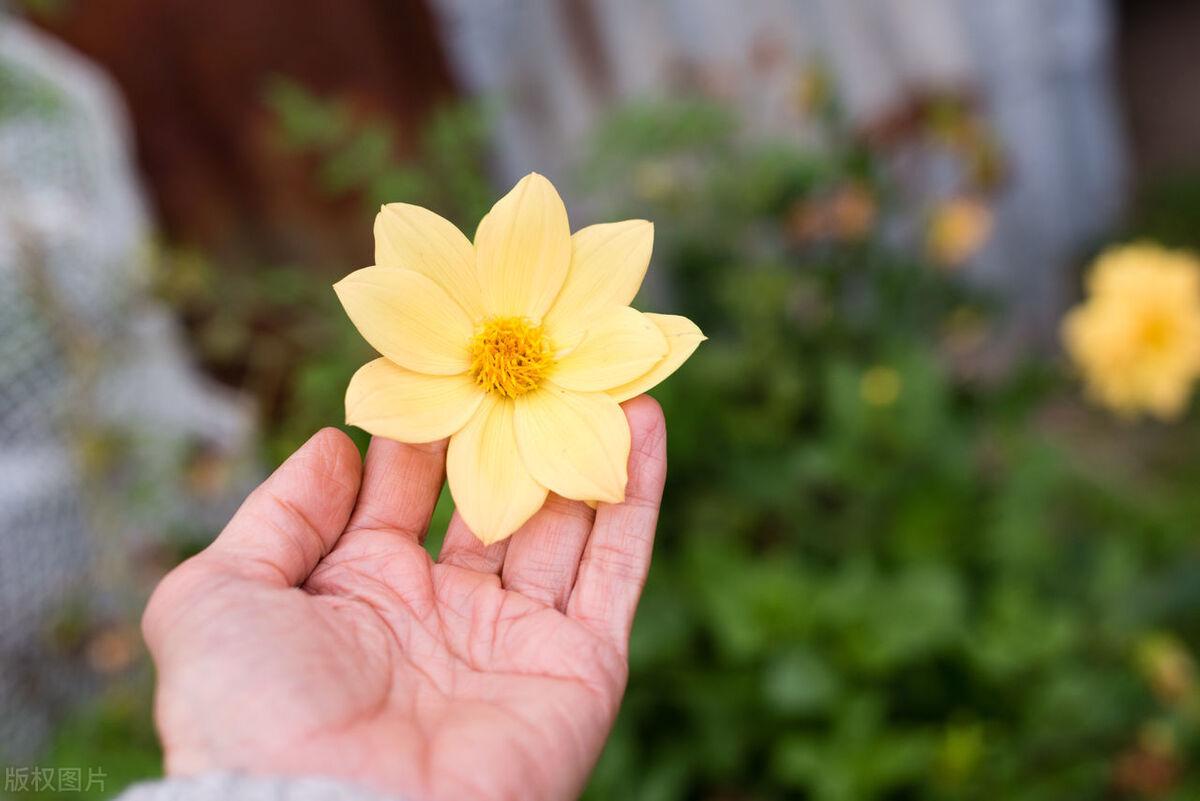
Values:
[(617, 556), (463, 549), (400, 488), (285, 527), (543, 555)]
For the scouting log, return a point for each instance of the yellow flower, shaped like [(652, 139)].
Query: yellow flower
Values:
[(957, 230), (1168, 666), (1136, 338), (518, 348), (880, 386)]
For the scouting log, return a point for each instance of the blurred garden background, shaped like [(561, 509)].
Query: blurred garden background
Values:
[(915, 544)]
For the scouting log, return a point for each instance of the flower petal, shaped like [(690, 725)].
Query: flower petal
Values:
[(619, 346), (575, 443), (493, 490), (608, 263), (523, 250), (414, 238), (683, 337), (408, 318), (389, 401)]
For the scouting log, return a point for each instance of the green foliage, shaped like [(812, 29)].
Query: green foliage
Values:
[(112, 744), (1168, 210), (361, 154), (861, 596)]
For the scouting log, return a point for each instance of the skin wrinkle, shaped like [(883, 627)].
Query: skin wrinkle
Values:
[(463, 549), (381, 612), (206, 613), (478, 563), (481, 790), (473, 662), (330, 475), (516, 712), (491, 633), (310, 530), (433, 682), (568, 508), (419, 602), (323, 729), (548, 574), (282, 578), (342, 460), (385, 588), (192, 577), (261, 568), (364, 516), (545, 568), (499, 708), (373, 524), (504, 628), (640, 503), (650, 445), (613, 561)]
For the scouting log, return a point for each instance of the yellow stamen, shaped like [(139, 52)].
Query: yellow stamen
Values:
[(510, 356)]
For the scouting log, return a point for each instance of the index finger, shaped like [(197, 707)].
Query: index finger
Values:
[(616, 559)]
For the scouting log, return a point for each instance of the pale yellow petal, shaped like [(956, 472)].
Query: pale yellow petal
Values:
[(608, 263), (683, 337), (414, 238), (621, 344), (492, 489), (408, 318), (575, 443), (523, 250), (390, 401)]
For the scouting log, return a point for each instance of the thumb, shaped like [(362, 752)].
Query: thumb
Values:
[(294, 518)]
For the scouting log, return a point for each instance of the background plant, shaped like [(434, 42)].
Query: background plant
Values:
[(891, 565)]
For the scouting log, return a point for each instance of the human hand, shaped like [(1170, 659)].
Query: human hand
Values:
[(315, 636)]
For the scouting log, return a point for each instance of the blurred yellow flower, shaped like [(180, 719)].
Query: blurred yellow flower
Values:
[(1136, 338), (519, 348), (813, 89), (1168, 666), (654, 180), (880, 386), (957, 230)]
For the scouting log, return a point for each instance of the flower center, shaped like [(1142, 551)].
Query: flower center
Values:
[(509, 356), (1156, 332)]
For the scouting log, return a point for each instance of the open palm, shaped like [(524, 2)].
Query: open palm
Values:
[(317, 637)]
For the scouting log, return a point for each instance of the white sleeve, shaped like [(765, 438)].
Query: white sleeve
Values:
[(232, 787)]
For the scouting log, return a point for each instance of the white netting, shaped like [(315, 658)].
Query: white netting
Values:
[(102, 418)]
